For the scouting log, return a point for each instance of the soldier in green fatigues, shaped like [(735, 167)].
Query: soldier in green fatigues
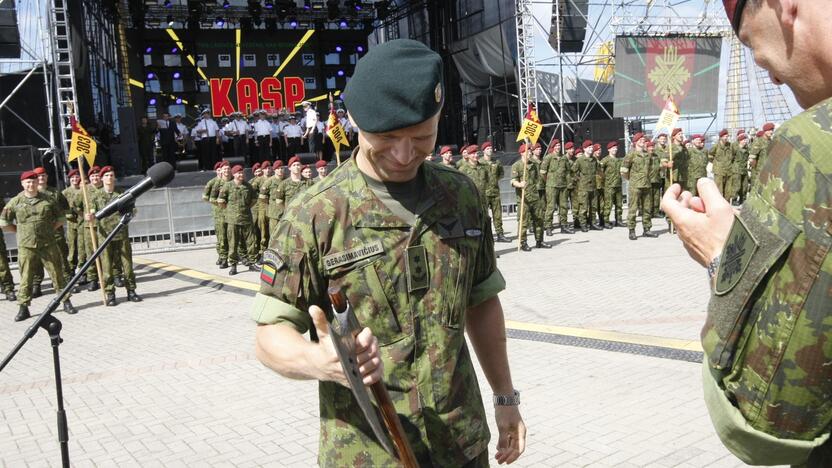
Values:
[(599, 190), (463, 157), (119, 251), (6, 280), (537, 157), (447, 155), (571, 179), (261, 211), (636, 169), (611, 167), (556, 166), (477, 172), (60, 237), (663, 148), (34, 216), (74, 237), (408, 239), (77, 206), (758, 155), (723, 159), (321, 170), (274, 209), (221, 224), (585, 169), (678, 167), (654, 176), (288, 189), (257, 171), (237, 197), (697, 163), (219, 231), (492, 191), (739, 179), (533, 210), (766, 339)]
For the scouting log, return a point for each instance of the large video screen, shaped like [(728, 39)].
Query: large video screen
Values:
[(648, 70)]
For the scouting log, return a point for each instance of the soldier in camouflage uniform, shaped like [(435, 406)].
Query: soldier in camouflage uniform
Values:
[(219, 227), (6, 280), (555, 167), (534, 207), (284, 192), (723, 159), (678, 167), (463, 157), (757, 155), (636, 168), (321, 169), (477, 172), (571, 179), (60, 237), (447, 156), (273, 208), (766, 339), (492, 191), (697, 163), (119, 251), (74, 224), (611, 167), (350, 232), (35, 216), (77, 206), (257, 172), (537, 157), (655, 177), (237, 197), (739, 179), (599, 190), (586, 168), (260, 212)]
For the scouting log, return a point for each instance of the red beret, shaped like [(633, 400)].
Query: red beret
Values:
[(106, 169), (612, 144), (555, 142), (760, 133), (73, 172), (662, 135), (224, 163), (255, 166), (569, 145), (217, 165), (586, 144), (638, 136), (733, 8), (686, 142), (95, 168), (675, 131), (742, 137), (522, 148), (292, 160), (723, 132), (768, 126), (237, 168), (740, 131), (265, 164), (696, 137), (579, 151), (650, 144), (304, 167), (485, 145), (39, 170), (93, 171), (28, 175), (535, 146), (277, 164), (473, 148), (445, 149), (596, 147), (320, 164)]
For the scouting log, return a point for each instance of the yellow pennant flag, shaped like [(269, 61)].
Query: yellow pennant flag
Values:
[(531, 127), (336, 131), (669, 116), (82, 145)]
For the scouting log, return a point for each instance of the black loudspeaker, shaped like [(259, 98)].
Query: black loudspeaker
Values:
[(307, 158), (13, 161), (571, 16), (600, 131), (190, 165), (635, 126), (9, 34), (125, 156)]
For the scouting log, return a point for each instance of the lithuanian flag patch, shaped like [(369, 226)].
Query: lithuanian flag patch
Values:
[(267, 274)]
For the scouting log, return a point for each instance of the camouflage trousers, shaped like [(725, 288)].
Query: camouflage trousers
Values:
[(532, 216), (656, 197), (272, 226), (221, 231), (75, 245), (241, 243), (556, 197), (586, 201), (598, 206), (496, 205), (60, 241), (263, 228), (29, 260), (6, 281), (739, 186), (118, 253), (723, 184), (572, 195), (640, 198), (92, 273), (613, 198)]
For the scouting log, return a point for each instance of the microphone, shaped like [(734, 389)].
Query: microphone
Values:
[(159, 175)]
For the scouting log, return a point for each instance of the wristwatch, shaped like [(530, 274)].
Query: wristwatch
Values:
[(712, 267), (507, 400)]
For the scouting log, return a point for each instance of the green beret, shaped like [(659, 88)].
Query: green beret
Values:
[(397, 84)]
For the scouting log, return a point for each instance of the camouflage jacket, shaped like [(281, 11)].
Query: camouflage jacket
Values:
[(571, 177), (35, 219), (723, 158), (495, 173), (532, 177), (479, 174), (637, 166), (274, 209), (586, 169), (105, 226), (210, 193), (214, 198), (238, 200), (256, 183), (557, 170), (740, 166), (680, 162), (612, 172), (339, 233), (72, 217), (758, 153), (654, 174), (768, 334), (697, 165)]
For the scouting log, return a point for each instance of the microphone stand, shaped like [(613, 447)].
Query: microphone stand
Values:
[(53, 327)]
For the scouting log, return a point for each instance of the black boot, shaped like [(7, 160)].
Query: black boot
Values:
[(647, 233), (82, 279), (111, 299), (11, 296), (233, 270), (118, 281), (550, 232), (69, 308), (223, 265), (22, 313), (36, 292), (619, 224), (584, 228), (259, 260), (253, 267), (607, 225), (594, 227), (219, 261), (525, 247), (542, 245), (132, 296), (93, 286), (633, 234), (502, 238), (566, 230)]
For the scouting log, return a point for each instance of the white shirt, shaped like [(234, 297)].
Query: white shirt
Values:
[(345, 123), (262, 128), (275, 129), (238, 127), (196, 136), (311, 118), (293, 131), (208, 125), (183, 130)]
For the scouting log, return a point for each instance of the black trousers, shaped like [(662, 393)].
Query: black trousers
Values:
[(169, 154), (294, 147), (240, 150), (264, 151), (207, 153)]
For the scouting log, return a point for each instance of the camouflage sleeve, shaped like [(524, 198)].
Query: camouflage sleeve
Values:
[(488, 281), (7, 215), (265, 188), (206, 193), (289, 276), (221, 193), (516, 172), (500, 171), (544, 165)]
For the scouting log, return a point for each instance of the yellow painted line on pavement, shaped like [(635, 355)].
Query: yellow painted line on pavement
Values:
[(604, 335)]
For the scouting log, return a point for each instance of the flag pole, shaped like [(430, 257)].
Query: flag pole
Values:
[(670, 151), (520, 227), (91, 226)]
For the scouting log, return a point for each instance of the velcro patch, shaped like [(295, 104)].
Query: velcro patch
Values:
[(349, 256), (473, 232), (271, 256), (739, 248), (267, 274)]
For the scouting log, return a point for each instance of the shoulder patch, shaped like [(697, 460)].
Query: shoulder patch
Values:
[(272, 263), (739, 248)]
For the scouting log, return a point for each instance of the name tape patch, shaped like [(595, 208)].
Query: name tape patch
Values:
[(348, 256)]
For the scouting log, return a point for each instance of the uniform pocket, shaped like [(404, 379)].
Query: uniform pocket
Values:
[(756, 242), (457, 276)]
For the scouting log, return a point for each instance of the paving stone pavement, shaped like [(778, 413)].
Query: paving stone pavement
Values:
[(173, 381)]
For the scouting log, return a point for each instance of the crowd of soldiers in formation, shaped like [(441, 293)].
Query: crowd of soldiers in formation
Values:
[(53, 232), (258, 137), (246, 212), (580, 178)]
